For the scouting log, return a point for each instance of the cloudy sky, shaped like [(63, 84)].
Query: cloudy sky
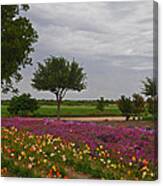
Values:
[(113, 41)]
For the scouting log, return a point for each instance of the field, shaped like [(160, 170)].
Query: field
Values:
[(74, 111), (68, 110), (41, 147)]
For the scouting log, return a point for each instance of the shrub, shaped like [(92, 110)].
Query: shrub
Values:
[(138, 105), (152, 105), (101, 103), (126, 107), (22, 105)]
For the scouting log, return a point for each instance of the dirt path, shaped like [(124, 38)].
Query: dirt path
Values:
[(114, 118)]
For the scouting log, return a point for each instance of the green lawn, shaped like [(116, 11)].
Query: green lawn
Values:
[(49, 110)]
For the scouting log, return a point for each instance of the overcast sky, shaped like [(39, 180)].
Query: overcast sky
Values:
[(113, 41)]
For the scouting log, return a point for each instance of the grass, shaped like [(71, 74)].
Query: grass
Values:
[(50, 111)]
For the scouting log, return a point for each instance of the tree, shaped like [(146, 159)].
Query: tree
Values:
[(17, 37), (101, 103), (138, 105), (58, 75), (22, 105), (150, 88), (126, 107), (150, 91), (152, 106)]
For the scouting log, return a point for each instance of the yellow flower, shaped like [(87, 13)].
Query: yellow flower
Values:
[(144, 168), (19, 157), (29, 166), (144, 174), (45, 160), (12, 154), (52, 154), (121, 158), (72, 144), (133, 158), (43, 143), (130, 163), (101, 159), (97, 149), (31, 158), (80, 152), (23, 153), (64, 157), (152, 174), (81, 157), (54, 168), (108, 161), (113, 166)]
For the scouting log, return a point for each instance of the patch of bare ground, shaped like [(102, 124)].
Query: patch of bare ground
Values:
[(71, 173)]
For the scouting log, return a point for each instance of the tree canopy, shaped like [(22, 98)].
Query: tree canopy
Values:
[(17, 37), (149, 88), (58, 75), (126, 107), (22, 105), (101, 104), (138, 104)]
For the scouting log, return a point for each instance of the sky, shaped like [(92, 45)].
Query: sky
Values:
[(112, 41)]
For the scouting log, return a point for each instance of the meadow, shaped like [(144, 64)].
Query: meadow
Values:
[(69, 110), (72, 110)]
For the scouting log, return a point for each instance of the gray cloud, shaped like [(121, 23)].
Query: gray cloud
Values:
[(111, 40)]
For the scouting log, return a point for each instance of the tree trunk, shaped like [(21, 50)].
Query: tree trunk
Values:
[(127, 118), (58, 109)]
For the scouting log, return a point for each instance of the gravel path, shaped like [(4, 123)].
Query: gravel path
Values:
[(119, 118)]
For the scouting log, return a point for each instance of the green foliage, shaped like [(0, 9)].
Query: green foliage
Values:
[(138, 105), (150, 88), (101, 103), (17, 37), (152, 105), (58, 75), (69, 111), (126, 107), (22, 105)]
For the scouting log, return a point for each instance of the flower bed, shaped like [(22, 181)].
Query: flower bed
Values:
[(99, 151)]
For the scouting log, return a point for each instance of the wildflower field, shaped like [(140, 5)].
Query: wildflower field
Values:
[(33, 147)]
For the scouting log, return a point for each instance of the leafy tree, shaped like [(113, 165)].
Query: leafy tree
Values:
[(58, 75), (138, 105), (17, 37), (152, 105), (101, 103), (126, 107), (22, 105), (150, 89)]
